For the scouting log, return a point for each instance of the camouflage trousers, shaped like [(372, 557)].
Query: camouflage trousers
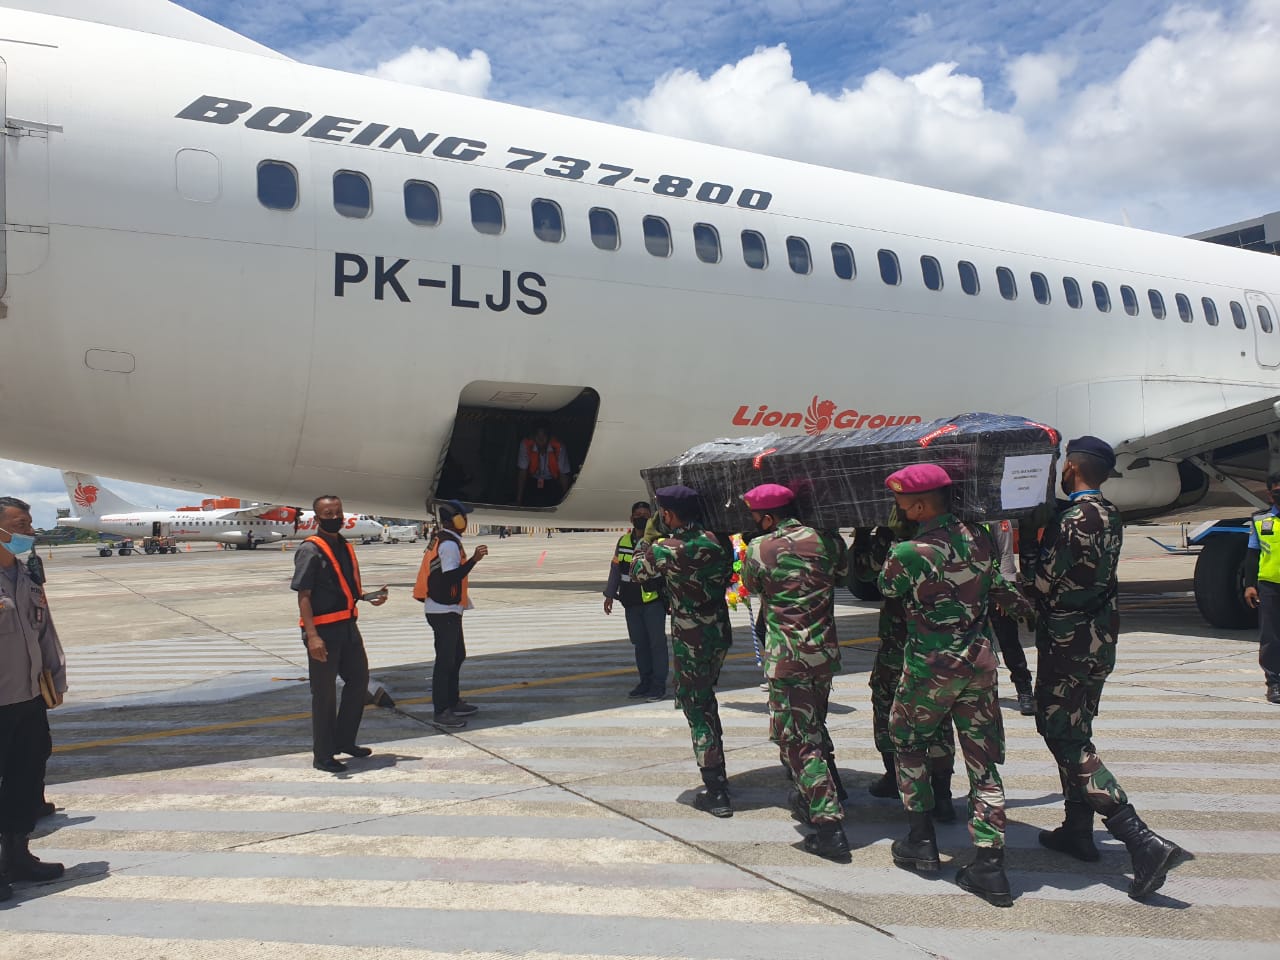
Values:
[(950, 686), (697, 671), (1067, 693), (798, 725), (886, 672)]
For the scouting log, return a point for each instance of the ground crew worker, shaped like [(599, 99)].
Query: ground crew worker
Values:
[(644, 608), (542, 470), (695, 566), (1005, 627), (1262, 573), (947, 576), (1073, 584), (886, 673), (29, 646), (793, 569), (327, 580)]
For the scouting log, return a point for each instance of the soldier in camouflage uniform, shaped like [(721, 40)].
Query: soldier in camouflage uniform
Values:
[(793, 569), (1072, 581), (946, 577), (696, 566), (886, 672)]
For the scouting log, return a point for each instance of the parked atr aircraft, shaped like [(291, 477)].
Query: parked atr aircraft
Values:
[(203, 239), (106, 512)]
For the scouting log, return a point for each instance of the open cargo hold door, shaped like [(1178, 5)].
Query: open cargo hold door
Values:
[(493, 421)]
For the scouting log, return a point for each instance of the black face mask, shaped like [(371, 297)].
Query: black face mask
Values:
[(331, 524), (639, 523), (1275, 496)]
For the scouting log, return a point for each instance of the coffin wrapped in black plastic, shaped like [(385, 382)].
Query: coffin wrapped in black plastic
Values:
[(1001, 467)]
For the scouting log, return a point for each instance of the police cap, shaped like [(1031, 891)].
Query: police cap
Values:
[(1095, 448)]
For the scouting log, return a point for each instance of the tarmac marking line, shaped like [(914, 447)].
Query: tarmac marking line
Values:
[(291, 717)]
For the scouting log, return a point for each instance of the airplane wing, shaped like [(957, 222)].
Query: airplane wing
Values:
[(1220, 432)]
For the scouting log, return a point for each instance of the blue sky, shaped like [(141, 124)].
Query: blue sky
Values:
[(1154, 111)]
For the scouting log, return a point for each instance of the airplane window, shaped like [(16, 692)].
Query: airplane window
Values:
[(754, 251), (1156, 299), (931, 271), (1130, 300), (1102, 296), (486, 212), (1184, 307), (1008, 286), (604, 228), (548, 224), (842, 261), (1238, 317), (1264, 319), (657, 236), (706, 242), (421, 203), (968, 278), (1040, 287), (798, 255), (890, 271), (277, 185), (1072, 289), (352, 195), (1210, 311)]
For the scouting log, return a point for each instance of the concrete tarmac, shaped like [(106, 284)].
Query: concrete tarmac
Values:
[(559, 823)]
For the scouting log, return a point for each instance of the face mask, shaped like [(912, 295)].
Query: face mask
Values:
[(1275, 496), (331, 524), (641, 522), (19, 543)]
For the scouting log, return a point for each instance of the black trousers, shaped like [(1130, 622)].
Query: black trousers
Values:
[(451, 651), (25, 744), (1015, 658), (334, 725), (1269, 636)]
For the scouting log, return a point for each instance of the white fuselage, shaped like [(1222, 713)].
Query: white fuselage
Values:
[(216, 527), (163, 325)]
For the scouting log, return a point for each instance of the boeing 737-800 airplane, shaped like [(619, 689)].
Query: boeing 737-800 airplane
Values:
[(198, 231)]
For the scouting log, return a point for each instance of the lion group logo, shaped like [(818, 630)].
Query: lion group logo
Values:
[(821, 416), (86, 495)]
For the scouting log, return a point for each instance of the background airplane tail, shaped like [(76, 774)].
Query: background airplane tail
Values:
[(89, 498)]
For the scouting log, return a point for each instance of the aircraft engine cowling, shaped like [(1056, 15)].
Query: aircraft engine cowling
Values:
[(1147, 487)]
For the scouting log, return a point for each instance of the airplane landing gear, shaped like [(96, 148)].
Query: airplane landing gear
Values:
[(1219, 583)]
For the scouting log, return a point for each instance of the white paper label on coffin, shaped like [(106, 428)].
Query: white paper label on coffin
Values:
[(1025, 481)]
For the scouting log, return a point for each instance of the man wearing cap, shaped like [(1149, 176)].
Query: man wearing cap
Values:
[(645, 610), (1073, 584), (447, 567), (947, 576), (695, 566), (1262, 590), (794, 569)]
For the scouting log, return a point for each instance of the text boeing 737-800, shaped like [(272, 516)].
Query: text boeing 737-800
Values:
[(223, 248)]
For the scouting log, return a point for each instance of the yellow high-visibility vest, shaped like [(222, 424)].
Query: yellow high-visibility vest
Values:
[(1267, 527), (622, 557)]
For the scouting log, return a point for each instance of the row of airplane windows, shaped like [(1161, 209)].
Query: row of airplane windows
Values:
[(353, 198)]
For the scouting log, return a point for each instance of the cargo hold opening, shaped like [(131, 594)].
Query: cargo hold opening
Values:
[(493, 423)]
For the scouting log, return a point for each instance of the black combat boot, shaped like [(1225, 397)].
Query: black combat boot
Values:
[(714, 798), (829, 842), (842, 795), (1075, 836), (1153, 856), (1273, 692), (1026, 699), (944, 810), (920, 848), (887, 786), (985, 877), (17, 862)]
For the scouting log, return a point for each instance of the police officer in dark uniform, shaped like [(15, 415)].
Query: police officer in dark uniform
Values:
[(1262, 572), (327, 579)]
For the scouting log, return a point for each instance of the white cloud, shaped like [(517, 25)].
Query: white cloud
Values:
[(919, 24), (1035, 79), (440, 69)]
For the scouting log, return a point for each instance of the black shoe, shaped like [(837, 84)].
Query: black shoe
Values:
[(17, 862), (464, 709), (829, 842), (1075, 836), (944, 810), (1273, 692), (47, 809), (887, 786), (656, 694), (354, 751), (6, 891), (714, 802), (1026, 701), (638, 691), (919, 850), (798, 806), (1152, 855), (329, 765), (448, 720), (985, 877)]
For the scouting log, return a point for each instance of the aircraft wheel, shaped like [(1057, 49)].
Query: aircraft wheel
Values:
[(865, 591), (104, 553), (1219, 583)]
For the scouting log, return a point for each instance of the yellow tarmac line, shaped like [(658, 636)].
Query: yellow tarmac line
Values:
[(290, 717)]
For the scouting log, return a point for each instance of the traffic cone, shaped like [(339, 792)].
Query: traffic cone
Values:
[(188, 548)]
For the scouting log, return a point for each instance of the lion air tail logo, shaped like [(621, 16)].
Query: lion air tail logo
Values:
[(86, 495), (819, 416)]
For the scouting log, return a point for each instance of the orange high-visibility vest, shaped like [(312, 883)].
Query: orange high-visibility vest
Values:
[(553, 457), (339, 615), (431, 563)]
